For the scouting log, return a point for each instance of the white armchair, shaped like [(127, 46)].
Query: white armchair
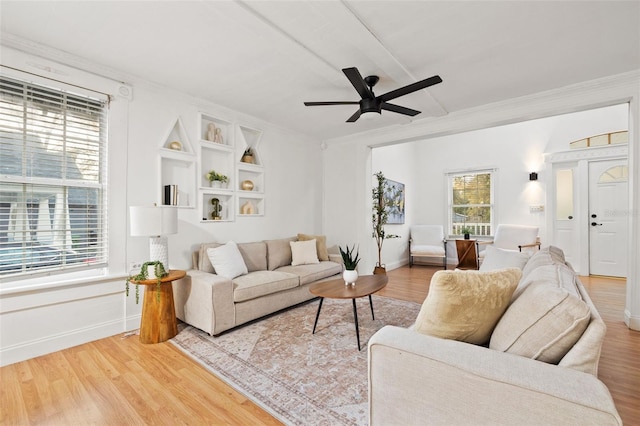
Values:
[(427, 241), (513, 238)]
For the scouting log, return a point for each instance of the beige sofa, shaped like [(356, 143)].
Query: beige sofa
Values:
[(416, 378), (215, 304)]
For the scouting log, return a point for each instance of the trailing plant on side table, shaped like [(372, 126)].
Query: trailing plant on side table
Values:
[(380, 217), (158, 272)]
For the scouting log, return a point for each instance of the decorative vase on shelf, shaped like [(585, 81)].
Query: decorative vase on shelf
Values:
[(246, 185), (350, 276)]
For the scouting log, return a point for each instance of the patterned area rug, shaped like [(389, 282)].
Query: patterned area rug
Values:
[(299, 377)]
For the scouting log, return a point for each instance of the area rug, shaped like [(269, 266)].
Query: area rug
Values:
[(299, 377)]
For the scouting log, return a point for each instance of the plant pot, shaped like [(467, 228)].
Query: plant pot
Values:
[(247, 159), (379, 270), (350, 276), (466, 236), (216, 184)]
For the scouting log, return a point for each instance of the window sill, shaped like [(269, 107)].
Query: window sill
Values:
[(32, 285)]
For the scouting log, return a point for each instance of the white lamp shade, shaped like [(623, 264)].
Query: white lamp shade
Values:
[(153, 221)]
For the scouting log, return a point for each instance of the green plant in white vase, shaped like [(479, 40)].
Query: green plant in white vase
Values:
[(350, 261), (213, 176)]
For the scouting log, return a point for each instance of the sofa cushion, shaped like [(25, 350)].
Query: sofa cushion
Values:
[(556, 275), (543, 323), (254, 255), (321, 244), (497, 258), (227, 260), (466, 305), (303, 252), (260, 283), (550, 255), (311, 273), (204, 264), (278, 252)]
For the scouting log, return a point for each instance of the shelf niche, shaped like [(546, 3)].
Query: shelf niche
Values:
[(178, 166)]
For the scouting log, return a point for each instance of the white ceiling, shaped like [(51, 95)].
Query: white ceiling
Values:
[(265, 58)]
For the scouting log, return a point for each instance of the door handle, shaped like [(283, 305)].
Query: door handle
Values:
[(595, 224)]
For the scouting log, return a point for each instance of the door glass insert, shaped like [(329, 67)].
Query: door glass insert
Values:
[(564, 194), (614, 174)]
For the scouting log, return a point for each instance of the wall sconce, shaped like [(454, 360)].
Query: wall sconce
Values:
[(533, 176)]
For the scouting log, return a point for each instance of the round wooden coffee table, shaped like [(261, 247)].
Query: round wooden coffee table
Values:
[(335, 289)]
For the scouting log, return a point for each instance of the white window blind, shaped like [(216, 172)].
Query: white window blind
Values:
[(52, 179)]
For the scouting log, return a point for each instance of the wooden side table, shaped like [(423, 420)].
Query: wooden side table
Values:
[(159, 314), (467, 255)]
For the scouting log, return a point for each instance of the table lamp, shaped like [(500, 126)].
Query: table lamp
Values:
[(155, 222)]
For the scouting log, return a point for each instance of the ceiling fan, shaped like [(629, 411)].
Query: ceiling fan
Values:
[(371, 103)]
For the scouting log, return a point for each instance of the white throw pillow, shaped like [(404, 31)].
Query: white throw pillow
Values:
[(227, 260), (496, 258), (303, 252)]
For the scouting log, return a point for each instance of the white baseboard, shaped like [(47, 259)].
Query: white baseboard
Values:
[(132, 322), (38, 347), (632, 322)]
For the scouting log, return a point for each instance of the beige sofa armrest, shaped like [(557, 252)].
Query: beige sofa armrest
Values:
[(205, 301), (420, 379)]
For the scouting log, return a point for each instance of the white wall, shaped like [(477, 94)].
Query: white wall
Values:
[(50, 313), (514, 150)]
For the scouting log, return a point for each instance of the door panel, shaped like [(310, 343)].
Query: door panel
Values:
[(608, 223)]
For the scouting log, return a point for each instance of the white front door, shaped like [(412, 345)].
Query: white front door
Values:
[(608, 218)]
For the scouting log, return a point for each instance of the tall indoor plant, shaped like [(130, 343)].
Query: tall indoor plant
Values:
[(380, 217)]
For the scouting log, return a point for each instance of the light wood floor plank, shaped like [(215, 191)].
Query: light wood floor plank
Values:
[(121, 381)]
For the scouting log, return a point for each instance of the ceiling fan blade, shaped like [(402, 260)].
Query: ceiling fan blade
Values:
[(399, 109), (358, 82), (410, 88), (332, 103), (354, 117)]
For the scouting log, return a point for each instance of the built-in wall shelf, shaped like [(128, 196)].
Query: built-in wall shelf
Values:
[(177, 167), (222, 145)]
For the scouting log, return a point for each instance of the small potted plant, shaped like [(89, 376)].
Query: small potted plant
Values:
[(216, 179), (350, 260), (247, 157), (465, 230), (148, 271)]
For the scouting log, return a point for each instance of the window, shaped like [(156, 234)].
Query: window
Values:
[(52, 179), (471, 202)]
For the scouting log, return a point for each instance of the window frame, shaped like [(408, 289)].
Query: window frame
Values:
[(449, 177), (27, 182)]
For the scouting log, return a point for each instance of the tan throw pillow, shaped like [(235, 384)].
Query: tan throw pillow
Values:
[(543, 323), (303, 253), (466, 305), (278, 253), (321, 244)]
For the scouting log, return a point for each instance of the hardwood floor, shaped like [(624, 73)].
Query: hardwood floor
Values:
[(121, 381)]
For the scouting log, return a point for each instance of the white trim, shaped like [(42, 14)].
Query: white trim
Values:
[(37, 347)]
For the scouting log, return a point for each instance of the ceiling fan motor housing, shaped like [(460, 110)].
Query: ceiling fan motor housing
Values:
[(370, 105)]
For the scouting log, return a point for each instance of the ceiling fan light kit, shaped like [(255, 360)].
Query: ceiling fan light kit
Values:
[(371, 106)]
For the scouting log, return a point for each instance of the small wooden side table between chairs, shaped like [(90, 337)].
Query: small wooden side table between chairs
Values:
[(159, 321), (467, 254)]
